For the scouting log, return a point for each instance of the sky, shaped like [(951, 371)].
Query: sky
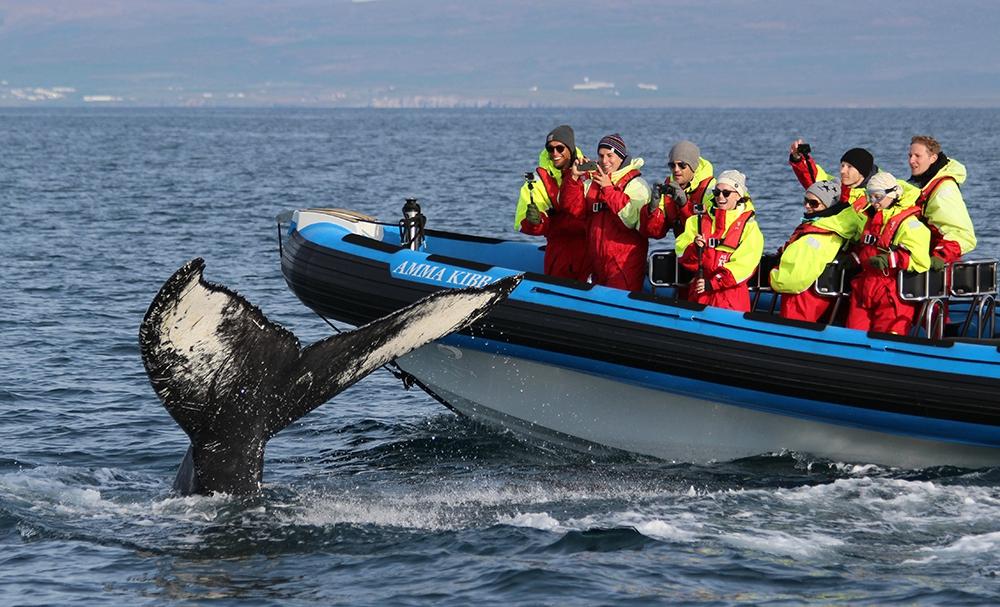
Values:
[(418, 53)]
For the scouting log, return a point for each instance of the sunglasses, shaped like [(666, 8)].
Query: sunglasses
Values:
[(812, 204), (678, 165), (556, 148), (723, 193)]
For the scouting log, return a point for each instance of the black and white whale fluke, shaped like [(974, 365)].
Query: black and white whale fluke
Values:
[(232, 379)]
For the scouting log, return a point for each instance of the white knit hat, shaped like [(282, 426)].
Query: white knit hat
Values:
[(734, 179), (883, 183)]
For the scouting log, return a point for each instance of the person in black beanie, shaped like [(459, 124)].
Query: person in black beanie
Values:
[(857, 165)]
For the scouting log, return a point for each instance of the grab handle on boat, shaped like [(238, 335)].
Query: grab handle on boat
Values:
[(282, 218)]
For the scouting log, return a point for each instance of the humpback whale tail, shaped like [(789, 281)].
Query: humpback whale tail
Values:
[(232, 379)]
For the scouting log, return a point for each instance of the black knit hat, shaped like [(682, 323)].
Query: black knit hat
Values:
[(859, 158), (563, 134), (615, 143)]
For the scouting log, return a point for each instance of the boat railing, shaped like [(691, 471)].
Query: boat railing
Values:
[(973, 282)]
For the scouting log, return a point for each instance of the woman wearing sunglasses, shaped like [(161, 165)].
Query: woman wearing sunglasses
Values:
[(722, 246), (894, 240), (828, 226)]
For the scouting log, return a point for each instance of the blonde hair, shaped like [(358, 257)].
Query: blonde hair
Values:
[(932, 145)]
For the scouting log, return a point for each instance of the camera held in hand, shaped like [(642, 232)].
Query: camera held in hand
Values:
[(804, 148), (590, 165)]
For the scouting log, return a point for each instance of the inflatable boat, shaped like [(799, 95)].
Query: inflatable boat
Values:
[(589, 366)]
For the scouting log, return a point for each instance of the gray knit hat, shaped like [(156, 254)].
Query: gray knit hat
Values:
[(827, 191), (563, 134), (686, 152)]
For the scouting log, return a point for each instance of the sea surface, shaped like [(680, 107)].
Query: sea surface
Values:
[(382, 496)]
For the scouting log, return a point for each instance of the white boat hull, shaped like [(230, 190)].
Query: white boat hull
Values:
[(581, 410)]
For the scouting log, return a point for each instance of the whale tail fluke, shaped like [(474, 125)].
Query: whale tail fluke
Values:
[(232, 379)]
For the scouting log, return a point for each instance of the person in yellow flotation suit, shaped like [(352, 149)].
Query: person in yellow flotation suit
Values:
[(857, 165), (688, 185), (939, 179), (539, 212), (827, 228), (722, 246), (894, 240)]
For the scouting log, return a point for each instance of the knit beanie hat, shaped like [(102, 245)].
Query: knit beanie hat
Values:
[(686, 152), (882, 183), (827, 191), (859, 158), (615, 143), (563, 134), (735, 180)]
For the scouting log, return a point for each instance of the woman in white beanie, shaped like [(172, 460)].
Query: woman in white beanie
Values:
[(893, 240), (722, 246), (828, 226)]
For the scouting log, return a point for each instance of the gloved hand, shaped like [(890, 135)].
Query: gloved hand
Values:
[(937, 264), (879, 262), (676, 192), (532, 214)]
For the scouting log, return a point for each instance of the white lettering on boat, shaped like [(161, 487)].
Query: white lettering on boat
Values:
[(437, 273)]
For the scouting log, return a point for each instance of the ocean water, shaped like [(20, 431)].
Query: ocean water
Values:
[(382, 496)]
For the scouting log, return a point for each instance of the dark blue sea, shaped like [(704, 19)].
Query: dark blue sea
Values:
[(382, 496)]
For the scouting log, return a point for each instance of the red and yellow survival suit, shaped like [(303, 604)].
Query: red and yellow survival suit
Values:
[(734, 244), (814, 243), (945, 213), (671, 215), (898, 233), (565, 233), (616, 248)]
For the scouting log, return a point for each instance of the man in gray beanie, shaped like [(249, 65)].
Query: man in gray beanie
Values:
[(687, 188), (539, 214)]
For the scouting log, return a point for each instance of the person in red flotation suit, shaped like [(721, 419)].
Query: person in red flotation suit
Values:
[(539, 211), (688, 186), (610, 201), (894, 240), (722, 246)]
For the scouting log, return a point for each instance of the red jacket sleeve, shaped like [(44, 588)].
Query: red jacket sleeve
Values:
[(571, 198), (615, 198), (652, 224), (539, 229), (721, 279), (948, 250), (689, 260), (804, 169)]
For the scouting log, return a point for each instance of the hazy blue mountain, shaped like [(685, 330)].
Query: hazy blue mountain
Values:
[(517, 52)]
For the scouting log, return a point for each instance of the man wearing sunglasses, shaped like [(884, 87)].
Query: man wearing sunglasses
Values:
[(539, 212), (688, 185), (722, 246), (857, 165), (828, 227), (894, 240)]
